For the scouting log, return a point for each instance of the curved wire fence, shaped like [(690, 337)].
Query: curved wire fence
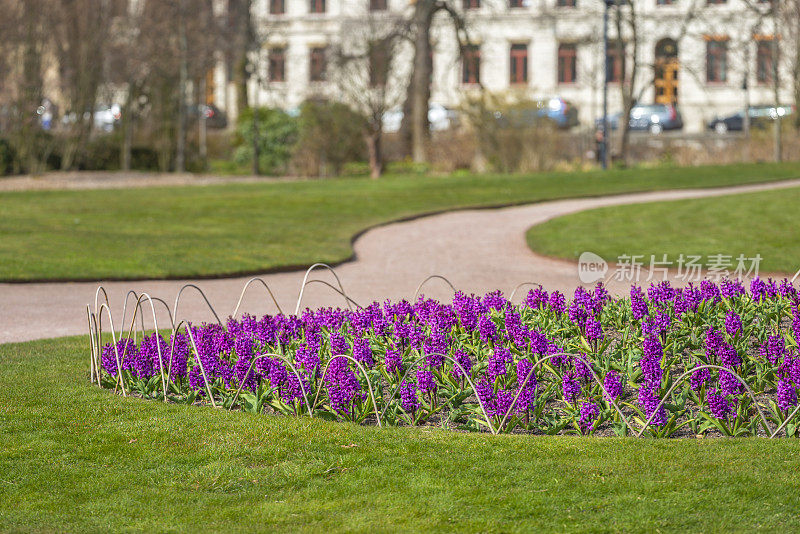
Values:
[(528, 392)]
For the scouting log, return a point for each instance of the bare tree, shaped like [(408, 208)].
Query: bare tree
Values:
[(24, 38), (179, 46), (370, 76), (241, 37), (80, 29), (792, 56), (414, 128), (636, 74)]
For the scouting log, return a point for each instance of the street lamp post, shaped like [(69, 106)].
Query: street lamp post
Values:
[(604, 144)]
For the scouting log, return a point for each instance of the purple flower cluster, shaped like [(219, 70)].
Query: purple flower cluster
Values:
[(421, 358)]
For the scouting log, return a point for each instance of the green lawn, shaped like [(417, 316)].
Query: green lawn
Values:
[(77, 458), (240, 228), (763, 223)]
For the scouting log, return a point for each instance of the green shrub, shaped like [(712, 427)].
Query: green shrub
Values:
[(330, 135), (277, 134), (101, 153), (104, 153), (7, 157)]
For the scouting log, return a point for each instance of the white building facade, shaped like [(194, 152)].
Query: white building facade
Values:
[(696, 54)]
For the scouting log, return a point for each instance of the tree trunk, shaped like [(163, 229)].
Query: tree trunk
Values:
[(127, 128), (415, 117), (373, 140), (776, 85), (628, 76), (242, 40), (180, 150)]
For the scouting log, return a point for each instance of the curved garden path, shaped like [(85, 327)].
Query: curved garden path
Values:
[(478, 250)]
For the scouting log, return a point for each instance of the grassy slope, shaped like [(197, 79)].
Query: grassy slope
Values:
[(169, 232), (764, 223), (76, 458)]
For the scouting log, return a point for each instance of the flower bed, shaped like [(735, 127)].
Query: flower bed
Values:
[(707, 360)]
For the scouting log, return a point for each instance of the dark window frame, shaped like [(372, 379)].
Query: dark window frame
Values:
[(716, 60), (277, 7), (276, 64), (318, 64), (764, 64), (518, 64), (378, 5), (317, 6), (567, 63), (614, 62), (471, 65), (378, 66)]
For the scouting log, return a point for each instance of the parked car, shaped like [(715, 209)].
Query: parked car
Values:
[(558, 110), (654, 118), (760, 117), (107, 117), (555, 110), (215, 117), (440, 118)]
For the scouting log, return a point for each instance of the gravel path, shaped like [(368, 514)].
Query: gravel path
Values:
[(478, 250), (120, 180)]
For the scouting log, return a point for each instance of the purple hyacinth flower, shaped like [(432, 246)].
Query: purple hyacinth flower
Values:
[(408, 396), (733, 323), (570, 387), (787, 395), (613, 385), (719, 406), (588, 416)]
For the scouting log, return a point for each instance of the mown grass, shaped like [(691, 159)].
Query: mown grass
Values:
[(80, 459), (239, 228), (762, 223)]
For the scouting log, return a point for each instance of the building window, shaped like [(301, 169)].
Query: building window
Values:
[(716, 60), (614, 62), (471, 4), (277, 64), (317, 6), (471, 64), (378, 5), (566, 3), (567, 63), (277, 7), (764, 61), (378, 65), (516, 3), (519, 64), (318, 65)]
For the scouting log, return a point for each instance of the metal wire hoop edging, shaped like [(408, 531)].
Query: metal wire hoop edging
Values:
[(520, 286), (244, 289), (285, 360), (433, 277), (113, 338), (686, 374), (594, 375), (202, 368), (466, 375), (305, 282), (178, 298), (366, 379)]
